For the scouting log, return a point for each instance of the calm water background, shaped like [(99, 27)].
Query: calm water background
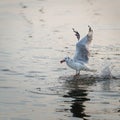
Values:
[(34, 36)]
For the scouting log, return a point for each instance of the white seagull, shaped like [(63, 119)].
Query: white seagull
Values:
[(81, 57)]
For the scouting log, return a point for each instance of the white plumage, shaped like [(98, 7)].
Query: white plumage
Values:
[(81, 57)]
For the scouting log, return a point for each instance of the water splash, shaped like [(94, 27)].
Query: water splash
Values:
[(106, 72)]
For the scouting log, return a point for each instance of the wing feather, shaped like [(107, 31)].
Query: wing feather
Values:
[(82, 48)]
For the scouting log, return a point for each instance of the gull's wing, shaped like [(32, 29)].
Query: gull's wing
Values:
[(82, 48)]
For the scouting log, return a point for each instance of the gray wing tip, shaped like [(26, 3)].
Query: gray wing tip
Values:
[(90, 29), (77, 34)]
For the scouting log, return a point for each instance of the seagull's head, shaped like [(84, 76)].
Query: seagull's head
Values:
[(66, 59)]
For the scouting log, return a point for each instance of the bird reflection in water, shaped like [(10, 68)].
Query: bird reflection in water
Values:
[(79, 96), (78, 107)]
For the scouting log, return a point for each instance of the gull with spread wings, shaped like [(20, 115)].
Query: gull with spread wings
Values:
[(81, 57)]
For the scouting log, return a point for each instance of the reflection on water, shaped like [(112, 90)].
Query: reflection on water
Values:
[(79, 96), (78, 107)]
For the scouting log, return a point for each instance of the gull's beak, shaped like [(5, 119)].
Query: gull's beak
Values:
[(62, 61)]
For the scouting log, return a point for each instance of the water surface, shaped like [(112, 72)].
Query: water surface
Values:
[(34, 37)]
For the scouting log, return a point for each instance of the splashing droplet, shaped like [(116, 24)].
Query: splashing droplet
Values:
[(106, 72)]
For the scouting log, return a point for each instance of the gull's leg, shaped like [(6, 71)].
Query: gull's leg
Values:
[(77, 74)]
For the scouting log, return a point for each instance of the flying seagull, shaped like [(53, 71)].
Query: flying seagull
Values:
[(81, 57)]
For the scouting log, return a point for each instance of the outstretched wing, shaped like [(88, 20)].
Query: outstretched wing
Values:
[(82, 48)]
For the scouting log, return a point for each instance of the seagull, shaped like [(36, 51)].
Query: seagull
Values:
[(81, 57)]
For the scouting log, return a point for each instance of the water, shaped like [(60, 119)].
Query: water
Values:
[(34, 37)]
